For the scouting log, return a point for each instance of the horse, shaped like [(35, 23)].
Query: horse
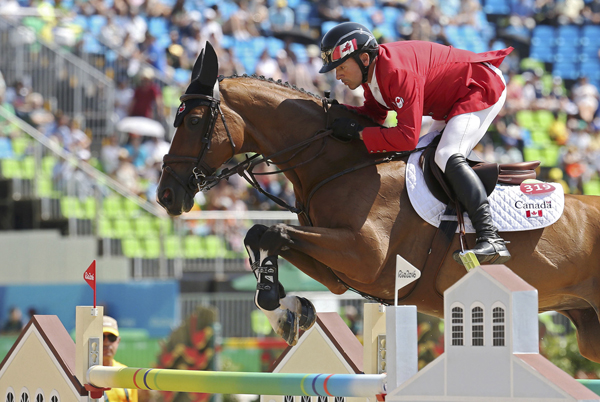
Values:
[(354, 212)]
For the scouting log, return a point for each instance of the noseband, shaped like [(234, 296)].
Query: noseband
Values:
[(201, 176)]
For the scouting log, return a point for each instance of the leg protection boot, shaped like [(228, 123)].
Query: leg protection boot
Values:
[(268, 288), (470, 192)]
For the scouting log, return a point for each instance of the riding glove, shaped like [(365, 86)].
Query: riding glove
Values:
[(345, 129)]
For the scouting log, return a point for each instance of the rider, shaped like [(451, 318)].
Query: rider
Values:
[(462, 91)]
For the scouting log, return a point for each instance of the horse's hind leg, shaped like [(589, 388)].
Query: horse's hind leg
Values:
[(588, 331), (586, 318), (287, 314)]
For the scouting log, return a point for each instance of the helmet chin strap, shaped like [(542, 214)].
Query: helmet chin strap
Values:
[(364, 69)]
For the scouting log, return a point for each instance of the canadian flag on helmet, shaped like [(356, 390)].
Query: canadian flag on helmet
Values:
[(344, 49)]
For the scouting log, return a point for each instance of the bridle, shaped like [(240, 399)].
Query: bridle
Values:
[(203, 177), (202, 173)]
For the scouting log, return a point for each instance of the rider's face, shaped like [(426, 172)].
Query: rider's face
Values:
[(349, 73)]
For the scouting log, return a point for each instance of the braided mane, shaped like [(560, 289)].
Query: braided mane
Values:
[(293, 87), (271, 80)]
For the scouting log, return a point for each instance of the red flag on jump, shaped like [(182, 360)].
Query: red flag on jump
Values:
[(90, 277)]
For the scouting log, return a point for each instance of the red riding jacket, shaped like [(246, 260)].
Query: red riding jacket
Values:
[(418, 78)]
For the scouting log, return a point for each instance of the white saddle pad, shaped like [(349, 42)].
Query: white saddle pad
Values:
[(511, 208)]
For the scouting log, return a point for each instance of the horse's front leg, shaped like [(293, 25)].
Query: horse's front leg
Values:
[(359, 255), (287, 314)]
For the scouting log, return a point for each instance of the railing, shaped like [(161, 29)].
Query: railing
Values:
[(236, 311), (78, 193), (97, 54), (96, 176), (66, 82)]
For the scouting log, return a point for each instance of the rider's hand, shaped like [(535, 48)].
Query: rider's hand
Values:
[(345, 129), (333, 102)]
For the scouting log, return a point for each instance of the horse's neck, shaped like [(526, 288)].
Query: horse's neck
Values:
[(277, 118)]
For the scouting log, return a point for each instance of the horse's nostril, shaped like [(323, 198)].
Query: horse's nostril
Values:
[(166, 199)]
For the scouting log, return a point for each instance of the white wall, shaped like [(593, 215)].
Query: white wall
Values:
[(44, 256)]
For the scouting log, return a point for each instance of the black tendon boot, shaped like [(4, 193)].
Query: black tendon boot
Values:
[(268, 288), (470, 192)]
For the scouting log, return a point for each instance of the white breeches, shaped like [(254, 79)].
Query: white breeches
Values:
[(464, 131)]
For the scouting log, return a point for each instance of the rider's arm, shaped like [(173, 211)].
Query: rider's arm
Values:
[(406, 90)]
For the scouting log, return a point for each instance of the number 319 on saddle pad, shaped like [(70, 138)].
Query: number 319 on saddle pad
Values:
[(535, 187)]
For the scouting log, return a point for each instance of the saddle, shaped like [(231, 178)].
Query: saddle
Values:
[(489, 173)]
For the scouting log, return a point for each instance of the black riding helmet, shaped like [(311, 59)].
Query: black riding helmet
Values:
[(346, 40)]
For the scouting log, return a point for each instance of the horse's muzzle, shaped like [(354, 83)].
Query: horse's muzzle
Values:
[(174, 205)]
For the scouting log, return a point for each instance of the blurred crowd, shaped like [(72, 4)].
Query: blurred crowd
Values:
[(157, 39)]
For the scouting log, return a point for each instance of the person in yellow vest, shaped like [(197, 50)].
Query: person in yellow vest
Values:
[(111, 344)]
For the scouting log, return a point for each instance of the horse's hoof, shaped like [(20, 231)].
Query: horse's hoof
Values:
[(288, 329), (308, 315)]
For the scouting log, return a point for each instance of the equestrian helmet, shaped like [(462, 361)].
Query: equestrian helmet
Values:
[(346, 40)]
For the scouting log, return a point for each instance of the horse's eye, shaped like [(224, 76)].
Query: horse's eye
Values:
[(194, 121)]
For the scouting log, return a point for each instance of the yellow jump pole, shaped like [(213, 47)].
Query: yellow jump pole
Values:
[(214, 382)]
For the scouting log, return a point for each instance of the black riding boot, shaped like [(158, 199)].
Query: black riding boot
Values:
[(470, 192)]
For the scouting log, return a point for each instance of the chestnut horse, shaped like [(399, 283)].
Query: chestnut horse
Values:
[(353, 225)]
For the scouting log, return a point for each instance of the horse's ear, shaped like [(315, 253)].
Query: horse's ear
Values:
[(205, 72), (210, 67), (198, 65)]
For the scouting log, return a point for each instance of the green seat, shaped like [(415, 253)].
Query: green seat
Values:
[(123, 228), (551, 154), (48, 163), (11, 169), (28, 168), (144, 226), (105, 229), (548, 84), (540, 137), (131, 208), (544, 119), (193, 247), (132, 247), (89, 208), (533, 154), (591, 187), (112, 207), (152, 247), (20, 144), (525, 119), (164, 226), (171, 96), (45, 187), (173, 247), (532, 64), (70, 207), (214, 246)]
